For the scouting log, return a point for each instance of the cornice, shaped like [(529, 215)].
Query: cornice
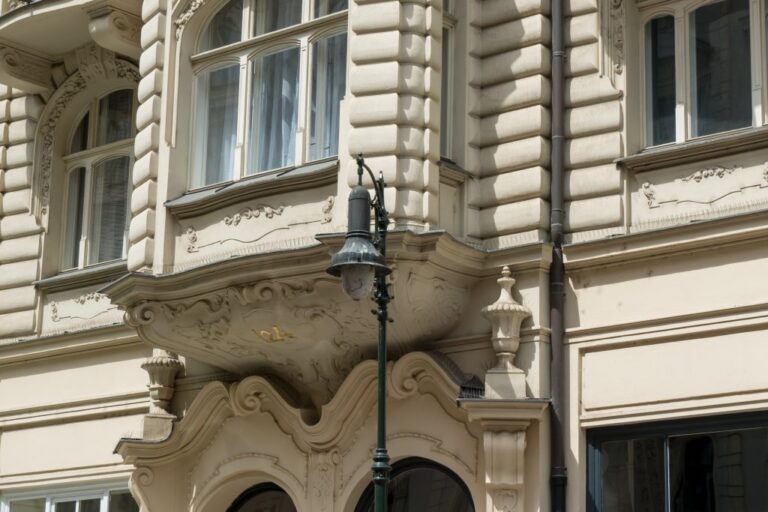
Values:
[(199, 202), (718, 145), (80, 278), (685, 239)]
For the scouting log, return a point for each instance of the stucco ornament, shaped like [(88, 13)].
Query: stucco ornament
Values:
[(506, 315), (162, 368)]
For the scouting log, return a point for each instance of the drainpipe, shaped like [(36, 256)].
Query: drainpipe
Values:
[(558, 475)]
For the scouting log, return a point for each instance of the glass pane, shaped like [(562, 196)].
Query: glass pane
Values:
[(110, 204), (35, 505), (122, 501), (115, 117), (329, 72), (225, 27), (324, 7), (273, 500), (445, 130), (80, 139), (721, 74), (74, 228), (217, 125), (632, 475), (716, 472), (273, 15), (93, 505), (660, 67), (68, 506), (423, 489), (274, 110)]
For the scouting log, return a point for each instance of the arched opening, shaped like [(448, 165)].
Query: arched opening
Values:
[(420, 484), (267, 497)]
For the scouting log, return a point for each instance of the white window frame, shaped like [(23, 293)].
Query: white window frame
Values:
[(301, 35), (681, 12), (88, 159), (87, 492)]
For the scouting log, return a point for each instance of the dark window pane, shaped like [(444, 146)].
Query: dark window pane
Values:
[(263, 498), (35, 505), (274, 110), (115, 117), (110, 205), (716, 472), (122, 501), (632, 475), (217, 125), (273, 15), (324, 7), (661, 70), (74, 228), (721, 75), (80, 138), (329, 83), (225, 27), (65, 506), (425, 489), (93, 505)]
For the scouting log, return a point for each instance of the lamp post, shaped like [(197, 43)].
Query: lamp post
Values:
[(360, 264)]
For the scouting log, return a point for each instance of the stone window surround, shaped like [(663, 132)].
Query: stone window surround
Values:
[(305, 33), (680, 10), (92, 491)]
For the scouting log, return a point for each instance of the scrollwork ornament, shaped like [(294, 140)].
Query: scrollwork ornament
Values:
[(505, 500), (142, 314), (143, 476)]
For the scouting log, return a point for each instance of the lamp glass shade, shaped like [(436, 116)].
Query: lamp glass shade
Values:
[(357, 280)]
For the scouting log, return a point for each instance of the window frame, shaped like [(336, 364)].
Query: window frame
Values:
[(450, 21), (302, 35), (79, 493), (88, 159), (665, 429), (681, 12)]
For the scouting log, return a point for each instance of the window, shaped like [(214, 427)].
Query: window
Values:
[(700, 81), (420, 484), (98, 167), (263, 497), (269, 79), (708, 465), (114, 500)]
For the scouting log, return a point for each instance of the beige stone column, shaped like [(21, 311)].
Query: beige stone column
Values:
[(394, 110)]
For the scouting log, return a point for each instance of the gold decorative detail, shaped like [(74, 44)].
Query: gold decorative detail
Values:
[(275, 335)]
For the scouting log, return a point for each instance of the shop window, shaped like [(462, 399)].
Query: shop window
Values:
[(86, 501), (700, 64), (709, 465), (420, 484), (252, 97), (98, 182), (263, 497)]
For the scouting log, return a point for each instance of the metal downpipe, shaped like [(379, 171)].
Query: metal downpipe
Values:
[(558, 474)]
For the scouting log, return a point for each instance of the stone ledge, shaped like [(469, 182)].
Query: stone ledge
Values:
[(198, 202), (716, 145), (78, 278)]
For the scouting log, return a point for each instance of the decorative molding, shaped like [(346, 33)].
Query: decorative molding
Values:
[(185, 16), (95, 297), (250, 213), (710, 172), (162, 368), (25, 70), (92, 63), (612, 15), (504, 500), (115, 30), (329, 203)]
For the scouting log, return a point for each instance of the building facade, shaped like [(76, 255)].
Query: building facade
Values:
[(174, 178)]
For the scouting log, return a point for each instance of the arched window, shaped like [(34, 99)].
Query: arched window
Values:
[(263, 498), (263, 69), (420, 484), (98, 164)]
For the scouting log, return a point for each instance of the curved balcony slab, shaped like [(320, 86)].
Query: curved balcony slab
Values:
[(280, 313)]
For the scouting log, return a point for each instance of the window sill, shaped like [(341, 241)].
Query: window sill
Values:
[(717, 145), (82, 277), (198, 202)]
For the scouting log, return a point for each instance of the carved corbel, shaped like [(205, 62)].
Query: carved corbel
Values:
[(506, 315), (162, 368), (115, 30), (25, 71)]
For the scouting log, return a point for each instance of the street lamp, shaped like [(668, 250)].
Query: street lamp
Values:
[(360, 264)]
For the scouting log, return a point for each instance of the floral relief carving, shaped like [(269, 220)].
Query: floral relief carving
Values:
[(57, 316), (253, 213), (328, 210), (710, 172), (184, 17), (504, 500), (612, 14)]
